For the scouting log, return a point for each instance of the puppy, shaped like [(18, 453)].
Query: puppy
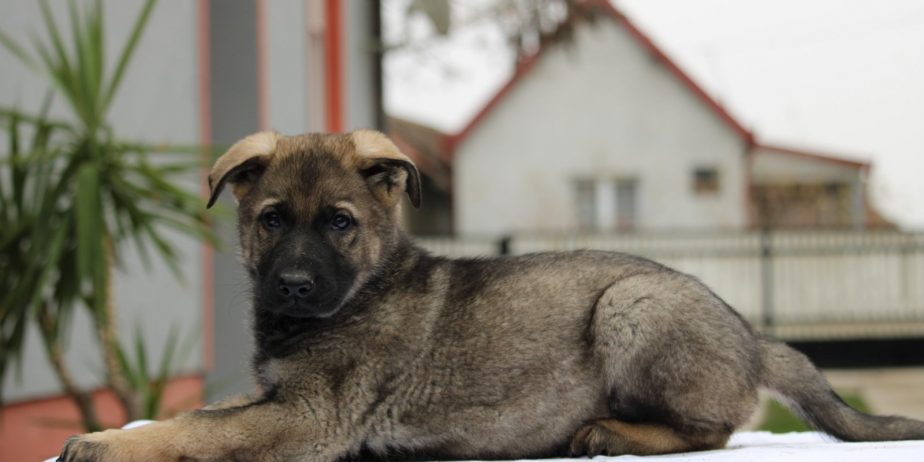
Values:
[(366, 343)]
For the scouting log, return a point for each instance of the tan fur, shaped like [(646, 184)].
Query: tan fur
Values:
[(259, 145), (610, 437), (182, 439), (371, 144)]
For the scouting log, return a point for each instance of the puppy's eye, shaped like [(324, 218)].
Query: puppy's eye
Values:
[(271, 220), (340, 221)]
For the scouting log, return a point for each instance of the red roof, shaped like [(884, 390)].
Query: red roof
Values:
[(525, 66), (813, 155)]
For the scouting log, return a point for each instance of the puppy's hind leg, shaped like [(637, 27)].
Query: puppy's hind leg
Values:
[(681, 367), (612, 437)]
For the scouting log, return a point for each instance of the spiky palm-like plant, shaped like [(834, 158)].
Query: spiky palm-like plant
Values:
[(72, 195)]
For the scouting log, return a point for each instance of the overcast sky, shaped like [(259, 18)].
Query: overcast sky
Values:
[(842, 76)]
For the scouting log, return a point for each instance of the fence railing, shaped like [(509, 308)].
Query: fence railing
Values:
[(797, 285)]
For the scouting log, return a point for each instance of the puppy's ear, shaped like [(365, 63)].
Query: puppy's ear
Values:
[(388, 172), (242, 165)]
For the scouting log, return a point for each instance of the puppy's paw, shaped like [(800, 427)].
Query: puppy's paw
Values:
[(114, 445), (82, 448), (597, 440)]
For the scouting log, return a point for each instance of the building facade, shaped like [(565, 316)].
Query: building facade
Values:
[(605, 133)]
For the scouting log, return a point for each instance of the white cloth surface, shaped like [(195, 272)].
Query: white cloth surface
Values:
[(774, 447), (790, 447)]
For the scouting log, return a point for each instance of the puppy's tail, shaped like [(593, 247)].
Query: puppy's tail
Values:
[(802, 387)]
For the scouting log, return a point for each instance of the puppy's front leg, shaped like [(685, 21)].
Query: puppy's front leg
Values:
[(261, 431)]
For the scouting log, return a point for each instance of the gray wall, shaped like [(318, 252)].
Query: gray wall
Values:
[(234, 100)]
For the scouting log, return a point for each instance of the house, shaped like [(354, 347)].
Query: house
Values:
[(609, 134)]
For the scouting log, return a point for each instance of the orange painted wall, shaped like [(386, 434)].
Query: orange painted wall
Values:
[(35, 430)]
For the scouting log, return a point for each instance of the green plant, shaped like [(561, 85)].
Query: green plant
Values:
[(76, 195), (778, 419), (150, 385)]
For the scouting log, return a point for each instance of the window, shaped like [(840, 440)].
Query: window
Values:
[(606, 204), (706, 180), (625, 204), (586, 201)]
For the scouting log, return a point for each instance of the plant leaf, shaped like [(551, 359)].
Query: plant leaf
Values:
[(141, 354), (88, 213), (18, 52), (127, 52)]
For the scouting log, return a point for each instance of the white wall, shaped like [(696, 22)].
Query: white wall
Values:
[(157, 102), (603, 107)]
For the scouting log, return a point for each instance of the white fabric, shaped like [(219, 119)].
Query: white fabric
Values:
[(773, 447), (791, 447)]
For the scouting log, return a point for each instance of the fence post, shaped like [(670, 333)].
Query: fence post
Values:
[(503, 245), (766, 279)]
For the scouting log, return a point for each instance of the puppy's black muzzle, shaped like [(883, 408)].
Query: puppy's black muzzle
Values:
[(302, 277), (296, 285), (296, 291)]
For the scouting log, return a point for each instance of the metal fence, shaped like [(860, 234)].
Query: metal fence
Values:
[(797, 285)]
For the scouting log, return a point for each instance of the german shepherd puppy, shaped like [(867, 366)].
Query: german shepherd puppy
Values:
[(366, 344)]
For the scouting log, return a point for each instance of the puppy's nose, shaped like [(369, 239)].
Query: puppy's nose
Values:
[(295, 284)]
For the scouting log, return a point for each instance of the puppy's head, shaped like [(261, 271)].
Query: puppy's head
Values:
[(316, 214)]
